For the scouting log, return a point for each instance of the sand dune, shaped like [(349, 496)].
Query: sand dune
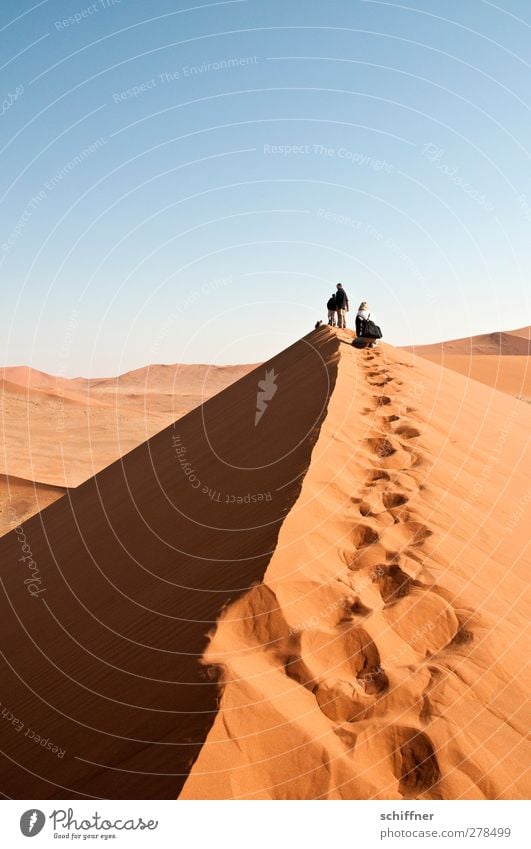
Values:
[(499, 360), (130, 571), (357, 558), (383, 656), (59, 432)]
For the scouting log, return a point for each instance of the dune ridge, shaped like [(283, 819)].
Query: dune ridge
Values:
[(384, 654), (108, 595)]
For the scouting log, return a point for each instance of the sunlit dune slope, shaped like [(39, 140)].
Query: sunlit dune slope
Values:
[(384, 655)]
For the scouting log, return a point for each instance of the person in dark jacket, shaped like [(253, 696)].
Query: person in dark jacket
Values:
[(342, 306), (332, 310)]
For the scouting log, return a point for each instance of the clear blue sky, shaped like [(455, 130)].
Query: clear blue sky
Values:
[(188, 184)]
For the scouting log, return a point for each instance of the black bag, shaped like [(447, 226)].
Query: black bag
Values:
[(370, 329)]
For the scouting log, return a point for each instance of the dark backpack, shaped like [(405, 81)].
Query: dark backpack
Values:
[(331, 305), (370, 330)]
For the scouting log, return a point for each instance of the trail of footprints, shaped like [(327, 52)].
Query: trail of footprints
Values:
[(384, 571), (385, 586)]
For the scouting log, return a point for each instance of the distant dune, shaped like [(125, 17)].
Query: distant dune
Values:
[(57, 432), (338, 540), (500, 360)]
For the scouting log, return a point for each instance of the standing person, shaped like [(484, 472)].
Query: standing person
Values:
[(362, 316), (332, 310), (342, 306)]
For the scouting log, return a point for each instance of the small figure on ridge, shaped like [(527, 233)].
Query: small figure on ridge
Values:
[(332, 310)]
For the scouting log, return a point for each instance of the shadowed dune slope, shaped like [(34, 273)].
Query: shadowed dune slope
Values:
[(499, 360), (130, 571), (385, 653)]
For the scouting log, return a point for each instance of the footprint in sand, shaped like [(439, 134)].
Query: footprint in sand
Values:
[(392, 500), (393, 582), (414, 762), (407, 432), (366, 557), (376, 476), (364, 535), (351, 676), (382, 446), (463, 635), (412, 534), (389, 452), (357, 608), (342, 701)]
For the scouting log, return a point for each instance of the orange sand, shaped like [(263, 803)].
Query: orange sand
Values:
[(384, 654), (368, 617)]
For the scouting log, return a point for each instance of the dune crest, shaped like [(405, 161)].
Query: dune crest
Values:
[(383, 655)]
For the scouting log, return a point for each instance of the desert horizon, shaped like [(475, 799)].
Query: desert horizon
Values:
[(126, 409)]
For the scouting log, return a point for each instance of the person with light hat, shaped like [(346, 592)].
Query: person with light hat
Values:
[(362, 316)]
